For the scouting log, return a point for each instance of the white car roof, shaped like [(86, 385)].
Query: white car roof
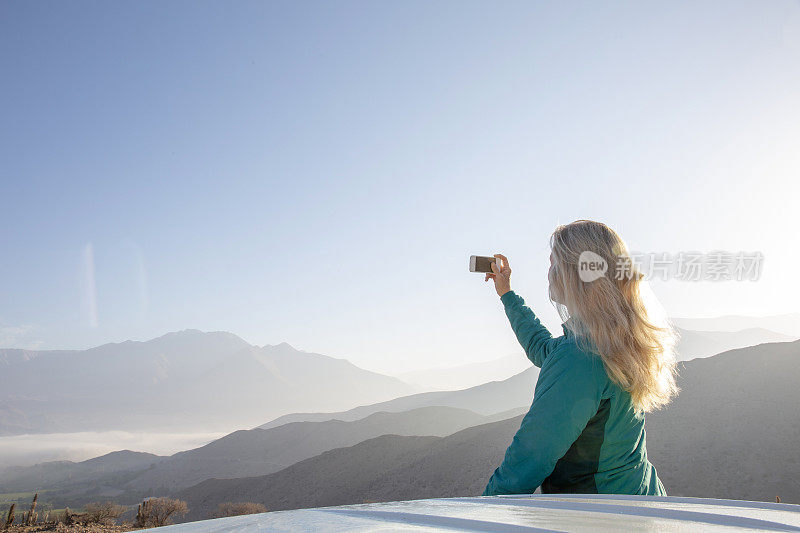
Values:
[(537, 512)]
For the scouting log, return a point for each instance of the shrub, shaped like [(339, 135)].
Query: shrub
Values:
[(157, 512), (103, 513), (69, 518), (238, 509)]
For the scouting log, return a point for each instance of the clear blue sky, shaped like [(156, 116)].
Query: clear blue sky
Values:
[(320, 172)]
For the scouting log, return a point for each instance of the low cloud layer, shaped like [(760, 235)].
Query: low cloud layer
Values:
[(22, 450)]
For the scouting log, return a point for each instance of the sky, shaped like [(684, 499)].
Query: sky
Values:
[(319, 173)]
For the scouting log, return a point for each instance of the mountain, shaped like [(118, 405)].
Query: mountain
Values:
[(262, 451), (242, 453), (731, 433), (487, 399), (177, 382), (788, 324), (733, 430), (465, 376), (55, 475), (385, 468), (518, 389), (693, 344)]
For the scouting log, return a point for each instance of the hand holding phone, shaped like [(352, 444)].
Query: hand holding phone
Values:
[(496, 268)]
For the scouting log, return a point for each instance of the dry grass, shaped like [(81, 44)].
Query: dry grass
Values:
[(238, 509), (59, 527)]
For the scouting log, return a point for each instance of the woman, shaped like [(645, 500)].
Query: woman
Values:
[(584, 432)]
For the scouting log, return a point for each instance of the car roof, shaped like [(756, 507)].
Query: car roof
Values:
[(537, 512)]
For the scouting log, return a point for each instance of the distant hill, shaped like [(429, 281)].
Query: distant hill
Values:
[(178, 382), (517, 391), (340, 476), (693, 344), (385, 468), (262, 451), (487, 399), (55, 475), (731, 433), (465, 376), (788, 324), (242, 453)]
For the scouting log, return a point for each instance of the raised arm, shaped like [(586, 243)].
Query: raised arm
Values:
[(568, 394), (532, 335), (535, 339)]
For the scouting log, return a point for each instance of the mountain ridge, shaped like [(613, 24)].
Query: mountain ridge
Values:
[(200, 376), (702, 445)]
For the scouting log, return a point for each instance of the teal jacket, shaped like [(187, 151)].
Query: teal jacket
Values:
[(581, 434)]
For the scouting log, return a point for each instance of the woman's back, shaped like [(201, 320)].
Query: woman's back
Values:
[(582, 433), (609, 455)]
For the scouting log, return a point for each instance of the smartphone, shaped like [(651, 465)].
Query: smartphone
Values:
[(480, 263)]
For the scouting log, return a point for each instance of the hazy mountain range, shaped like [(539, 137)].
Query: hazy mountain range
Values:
[(732, 422), (216, 381), (385, 468), (694, 343), (104, 474), (734, 429), (787, 324), (469, 375), (487, 399), (248, 452), (518, 389), (180, 381), (242, 453), (730, 434), (691, 344)]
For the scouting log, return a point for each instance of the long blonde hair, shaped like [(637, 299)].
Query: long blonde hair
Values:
[(611, 314)]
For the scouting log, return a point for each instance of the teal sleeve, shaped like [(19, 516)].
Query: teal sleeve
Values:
[(568, 394), (531, 334)]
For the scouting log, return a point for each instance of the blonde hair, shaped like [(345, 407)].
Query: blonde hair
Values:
[(612, 314)]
